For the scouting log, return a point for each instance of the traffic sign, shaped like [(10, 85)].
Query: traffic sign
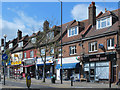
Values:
[(4, 56), (28, 77)]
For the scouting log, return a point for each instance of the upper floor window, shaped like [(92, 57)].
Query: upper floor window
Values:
[(2, 48), (50, 35), (10, 45), (31, 54), (105, 22), (72, 31), (20, 44), (72, 50), (33, 40), (60, 52), (43, 51), (110, 43), (92, 46), (25, 55), (52, 50)]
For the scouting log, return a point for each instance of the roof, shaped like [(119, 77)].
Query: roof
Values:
[(112, 28)]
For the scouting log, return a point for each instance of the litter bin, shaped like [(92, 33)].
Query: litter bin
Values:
[(53, 78)]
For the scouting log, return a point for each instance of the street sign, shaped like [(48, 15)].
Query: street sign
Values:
[(4, 56)]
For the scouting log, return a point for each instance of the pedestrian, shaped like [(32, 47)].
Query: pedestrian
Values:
[(118, 78)]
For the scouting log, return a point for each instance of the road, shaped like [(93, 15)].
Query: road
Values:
[(13, 84)]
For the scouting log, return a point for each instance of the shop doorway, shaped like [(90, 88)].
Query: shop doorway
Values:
[(92, 74)]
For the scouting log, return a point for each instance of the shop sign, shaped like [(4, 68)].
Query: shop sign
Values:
[(98, 57), (16, 63)]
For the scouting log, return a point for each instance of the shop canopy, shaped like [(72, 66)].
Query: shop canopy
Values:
[(68, 66), (49, 61), (28, 65)]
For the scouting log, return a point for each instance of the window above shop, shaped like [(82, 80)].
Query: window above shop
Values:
[(25, 55), (43, 51), (52, 50), (72, 50), (110, 43), (73, 31), (93, 47), (31, 53), (104, 22)]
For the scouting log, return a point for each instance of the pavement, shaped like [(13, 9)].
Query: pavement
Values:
[(65, 84)]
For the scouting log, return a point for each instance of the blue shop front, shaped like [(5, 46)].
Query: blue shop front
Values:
[(70, 66)]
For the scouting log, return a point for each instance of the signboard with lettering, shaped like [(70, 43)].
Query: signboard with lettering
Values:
[(100, 57)]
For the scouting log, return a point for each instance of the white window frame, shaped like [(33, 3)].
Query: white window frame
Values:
[(42, 51), (71, 29), (71, 48), (106, 19), (20, 44), (50, 35), (110, 47), (10, 45), (52, 50), (91, 44), (60, 52)]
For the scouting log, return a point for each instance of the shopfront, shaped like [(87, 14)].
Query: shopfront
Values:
[(29, 66), (99, 67), (70, 67), (49, 66)]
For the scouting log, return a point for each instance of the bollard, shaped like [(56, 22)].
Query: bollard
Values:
[(72, 81)]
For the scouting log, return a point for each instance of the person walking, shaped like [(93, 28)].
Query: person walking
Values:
[(118, 78)]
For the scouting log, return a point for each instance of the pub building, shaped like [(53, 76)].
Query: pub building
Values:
[(99, 67)]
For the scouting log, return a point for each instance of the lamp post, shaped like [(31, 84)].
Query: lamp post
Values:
[(4, 52), (61, 43)]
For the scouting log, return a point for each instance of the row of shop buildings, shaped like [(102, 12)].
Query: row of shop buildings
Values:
[(90, 49)]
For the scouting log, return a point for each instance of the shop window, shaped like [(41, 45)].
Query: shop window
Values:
[(110, 43), (72, 50), (92, 46)]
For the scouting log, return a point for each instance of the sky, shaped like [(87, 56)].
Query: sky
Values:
[(29, 16)]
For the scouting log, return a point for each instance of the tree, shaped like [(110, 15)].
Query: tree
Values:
[(45, 42)]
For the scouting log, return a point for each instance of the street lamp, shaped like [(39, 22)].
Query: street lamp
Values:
[(61, 42), (4, 52)]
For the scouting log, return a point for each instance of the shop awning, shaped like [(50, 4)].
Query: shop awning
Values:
[(27, 65), (68, 65), (43, 64)]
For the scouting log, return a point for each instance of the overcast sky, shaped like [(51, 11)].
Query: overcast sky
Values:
[(29, 16)]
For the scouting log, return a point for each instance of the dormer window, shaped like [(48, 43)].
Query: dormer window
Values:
[(104, 22), (72, 31), (20, 44), (33, 40), (10, 45), (50, 35)]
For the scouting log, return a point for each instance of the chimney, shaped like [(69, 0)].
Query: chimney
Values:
[(105, 10), (46, 25), (92, 13), (2, 42), (19, 35)]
